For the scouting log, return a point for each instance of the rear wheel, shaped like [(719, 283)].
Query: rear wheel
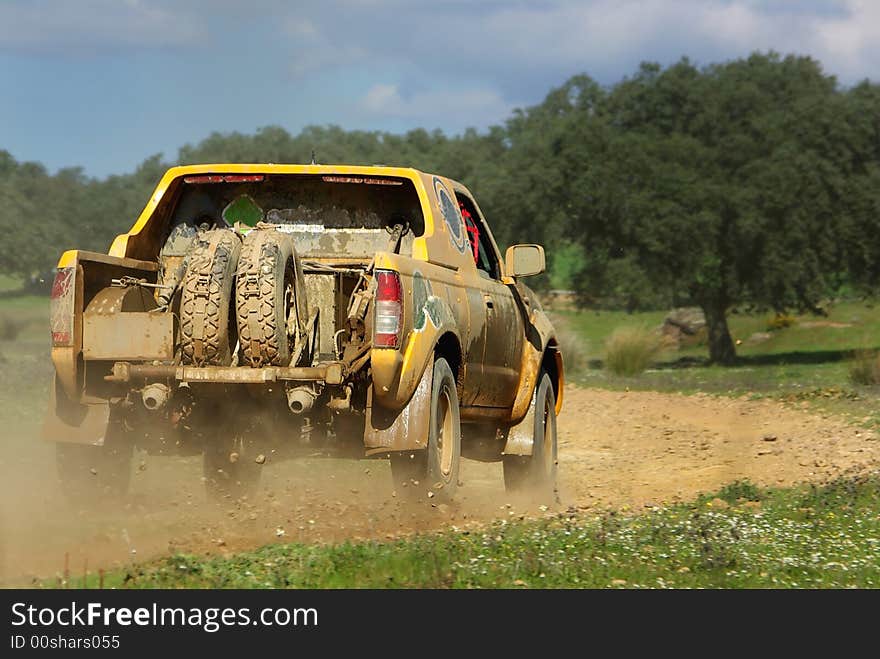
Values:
[(207, 338), (90, 474), (265, 299), (434, 470), (535, 474)]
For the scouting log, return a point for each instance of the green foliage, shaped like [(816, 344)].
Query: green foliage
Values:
[(736, 492), (567, 264), (630, 350)]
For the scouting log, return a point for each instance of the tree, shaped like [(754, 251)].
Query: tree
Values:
[(721, 185)]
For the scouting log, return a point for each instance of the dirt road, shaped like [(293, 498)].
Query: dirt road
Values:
[(617, 449)]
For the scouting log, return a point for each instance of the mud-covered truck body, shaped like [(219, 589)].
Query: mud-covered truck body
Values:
[(258, 311)]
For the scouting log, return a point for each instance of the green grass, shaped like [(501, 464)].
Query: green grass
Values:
[(862, 318), (740, 537), (804, 363)]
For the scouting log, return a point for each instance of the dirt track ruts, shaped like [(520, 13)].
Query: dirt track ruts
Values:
[(616, 449)]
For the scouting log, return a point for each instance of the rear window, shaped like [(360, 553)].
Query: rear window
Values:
[(328, 215)]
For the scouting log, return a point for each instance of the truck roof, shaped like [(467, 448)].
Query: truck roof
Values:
[(293, 168)]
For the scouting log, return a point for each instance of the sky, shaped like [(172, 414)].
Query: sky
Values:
[(103, 84)]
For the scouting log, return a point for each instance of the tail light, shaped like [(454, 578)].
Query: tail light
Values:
[(61, 310), (389, 310)]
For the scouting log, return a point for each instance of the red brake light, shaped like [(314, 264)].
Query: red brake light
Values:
[(389, 310), (225, 178), (61, 311)]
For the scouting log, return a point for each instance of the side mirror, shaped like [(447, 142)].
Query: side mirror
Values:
[(524, 260)]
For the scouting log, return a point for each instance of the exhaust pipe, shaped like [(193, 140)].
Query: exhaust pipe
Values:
[(155, 396), (300, 399)]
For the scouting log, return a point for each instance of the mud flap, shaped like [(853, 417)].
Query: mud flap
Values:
[(405, 430), (71, 422), (521, 436)]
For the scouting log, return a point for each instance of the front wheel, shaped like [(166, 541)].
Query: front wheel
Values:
[(434, 470), (535, 474)]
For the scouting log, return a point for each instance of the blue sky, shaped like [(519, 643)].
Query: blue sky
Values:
[(106, 83)]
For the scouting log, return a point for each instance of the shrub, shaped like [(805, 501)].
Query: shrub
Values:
[(629, 350), (865, 367), (740, 490), (780, 321)]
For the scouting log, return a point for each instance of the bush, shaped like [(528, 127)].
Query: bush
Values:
[(865, 368), (780, 321), (629, 350)]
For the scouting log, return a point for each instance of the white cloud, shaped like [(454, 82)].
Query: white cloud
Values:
[(312, 50), (382, 98), (91, 26), (845, 35), (458, 107), (510, 42)]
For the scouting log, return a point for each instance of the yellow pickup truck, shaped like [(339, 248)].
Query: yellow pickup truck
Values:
[(255, 312)]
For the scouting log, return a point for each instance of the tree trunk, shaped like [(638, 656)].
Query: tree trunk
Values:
[(721, 348)]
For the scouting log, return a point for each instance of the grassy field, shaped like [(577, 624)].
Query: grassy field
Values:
[(805, 363), (740, 537), (849, 326)]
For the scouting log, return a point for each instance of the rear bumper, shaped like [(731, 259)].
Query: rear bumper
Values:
[(332, 373)]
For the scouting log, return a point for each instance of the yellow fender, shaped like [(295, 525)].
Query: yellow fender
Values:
[(398, 408)]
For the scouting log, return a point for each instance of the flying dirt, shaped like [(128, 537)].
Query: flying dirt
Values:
[(616, 450)]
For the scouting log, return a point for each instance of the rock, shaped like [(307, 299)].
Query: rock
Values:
[(769, 438), (618, 582), (260, 459), (683, 324)]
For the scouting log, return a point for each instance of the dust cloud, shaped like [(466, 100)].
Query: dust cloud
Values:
[(616, 450)]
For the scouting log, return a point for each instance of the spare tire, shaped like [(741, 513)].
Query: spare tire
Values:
[(269, 298), (207, 337)]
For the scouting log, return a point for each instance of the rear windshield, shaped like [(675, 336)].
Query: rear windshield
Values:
[(328, 215)]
